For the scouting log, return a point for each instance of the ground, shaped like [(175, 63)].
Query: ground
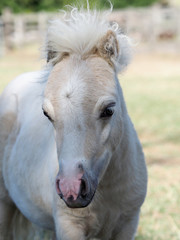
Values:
[(151, 87)]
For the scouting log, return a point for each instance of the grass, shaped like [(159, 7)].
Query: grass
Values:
[(152, 89), (18, 61)]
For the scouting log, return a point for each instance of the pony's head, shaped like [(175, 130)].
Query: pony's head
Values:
[(82, 100)]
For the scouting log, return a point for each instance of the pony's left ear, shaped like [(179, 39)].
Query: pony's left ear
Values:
[(51, 55), (115, 49), (54, 57)]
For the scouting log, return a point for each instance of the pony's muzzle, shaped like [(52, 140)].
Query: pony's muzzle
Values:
[(76, 192)]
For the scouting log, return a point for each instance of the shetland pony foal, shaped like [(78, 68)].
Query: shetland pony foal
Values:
[(78, 170)]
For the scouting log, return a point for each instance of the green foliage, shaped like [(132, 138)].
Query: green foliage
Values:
[(50, 5), (134, 3), (31, 5)]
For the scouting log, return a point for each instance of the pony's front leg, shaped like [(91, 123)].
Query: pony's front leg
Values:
[(66, 229), (127, 228)]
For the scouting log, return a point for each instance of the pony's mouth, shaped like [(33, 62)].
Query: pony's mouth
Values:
[(76, 194)]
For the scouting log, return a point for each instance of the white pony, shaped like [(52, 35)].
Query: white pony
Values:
[(77, 169)]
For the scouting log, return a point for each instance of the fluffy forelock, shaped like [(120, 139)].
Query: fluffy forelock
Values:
[(79, 31)]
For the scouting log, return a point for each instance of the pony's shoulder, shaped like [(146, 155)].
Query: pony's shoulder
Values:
[(23, 89)]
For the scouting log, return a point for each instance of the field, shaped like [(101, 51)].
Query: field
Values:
[(152, 91)]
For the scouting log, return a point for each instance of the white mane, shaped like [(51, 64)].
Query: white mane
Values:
[(80, 31)]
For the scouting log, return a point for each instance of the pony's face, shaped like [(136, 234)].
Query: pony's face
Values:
[(82, 102)]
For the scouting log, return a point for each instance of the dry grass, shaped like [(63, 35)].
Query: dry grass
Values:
[(152, 89), (18, 61)]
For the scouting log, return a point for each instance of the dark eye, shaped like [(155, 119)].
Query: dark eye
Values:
[(46, 114), (108, 111)]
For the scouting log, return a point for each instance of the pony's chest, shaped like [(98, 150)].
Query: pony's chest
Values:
[(108, 224), (101, 222)]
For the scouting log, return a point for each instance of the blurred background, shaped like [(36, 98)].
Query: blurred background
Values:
[(151, 87)]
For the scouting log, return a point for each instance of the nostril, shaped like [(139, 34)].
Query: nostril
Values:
[(83, 189), (80, 167), (58, 188), (70, 198)]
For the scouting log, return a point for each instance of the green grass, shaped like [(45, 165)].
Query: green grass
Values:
[(152, 91), (160, 213)]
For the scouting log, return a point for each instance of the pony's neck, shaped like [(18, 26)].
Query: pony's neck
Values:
[(117, 169)]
